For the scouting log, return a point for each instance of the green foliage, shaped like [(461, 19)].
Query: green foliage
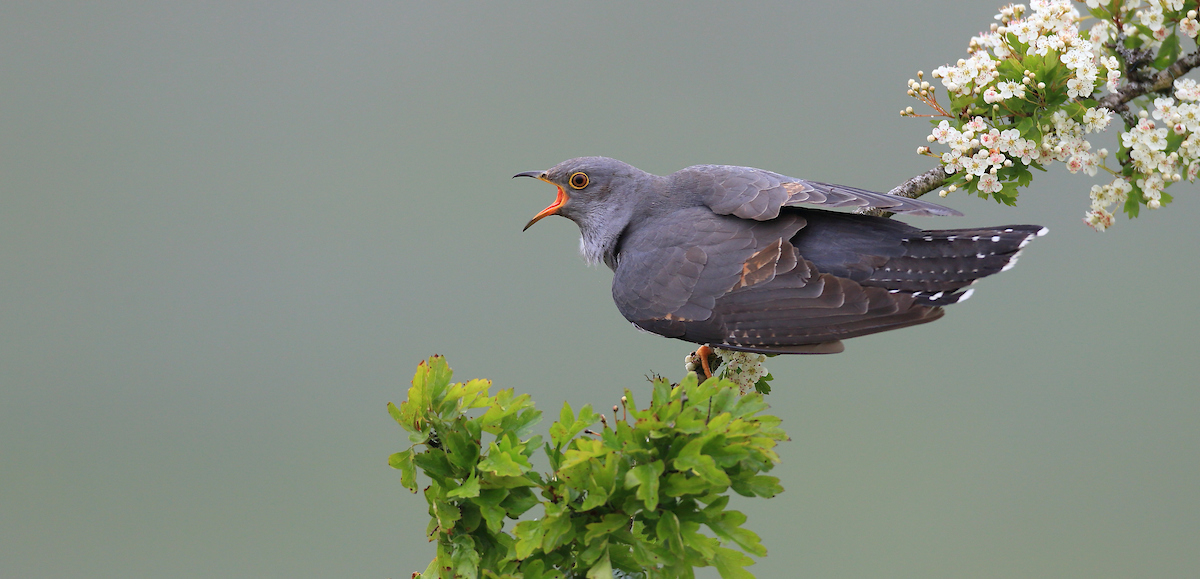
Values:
[(631, 498)]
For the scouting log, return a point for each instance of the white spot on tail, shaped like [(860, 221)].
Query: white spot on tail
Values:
[(1043, 231), (1011, 262), (1025, 241), (893, 291), (995, 238), (966, 296), (936, 296)]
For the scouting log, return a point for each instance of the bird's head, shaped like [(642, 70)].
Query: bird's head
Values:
[(585, 185), (597, 193)]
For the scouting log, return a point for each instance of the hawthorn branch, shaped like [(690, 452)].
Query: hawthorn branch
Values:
[(913, 188), (1116, 102)]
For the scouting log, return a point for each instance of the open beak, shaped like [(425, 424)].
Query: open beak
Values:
[(559, 201)]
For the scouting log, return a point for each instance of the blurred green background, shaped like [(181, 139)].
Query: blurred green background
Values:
[(230, 230)]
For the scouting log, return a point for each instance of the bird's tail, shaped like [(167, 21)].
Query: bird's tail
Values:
[(938, 265)]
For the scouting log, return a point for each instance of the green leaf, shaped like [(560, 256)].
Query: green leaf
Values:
[(468, 489), (568, 426), (602, 569), (763, 386), (464, 558), (397, 415), (518, 501), (595, 497), (461, 449), (703, 465), (403, 461), (434, 463), (558, 528), (749, 405), (529, 537), (500, 462), (606, 525), (437, 378), (661, 394), (1133, 203), (447, 514), (506, 457), (731, 564), (645, 478), (679, 484), (584, 451), (1168, 53), (520, 425), (728, 528), (493, 517), (431, 571), (566, 418), (489, 501), (472, 394), (667, 532)]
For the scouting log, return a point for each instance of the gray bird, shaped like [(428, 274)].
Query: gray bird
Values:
[(736, 257)]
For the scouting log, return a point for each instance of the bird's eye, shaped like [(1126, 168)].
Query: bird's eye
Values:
[(578, 180)]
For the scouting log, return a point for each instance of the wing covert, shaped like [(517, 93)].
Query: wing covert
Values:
[(759, 195)]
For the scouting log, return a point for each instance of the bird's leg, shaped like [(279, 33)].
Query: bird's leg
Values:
[(704, 352)]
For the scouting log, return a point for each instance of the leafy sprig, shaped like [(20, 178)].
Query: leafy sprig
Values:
[(646, 496)]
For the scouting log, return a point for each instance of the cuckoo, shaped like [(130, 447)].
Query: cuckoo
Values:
[(746, 259)]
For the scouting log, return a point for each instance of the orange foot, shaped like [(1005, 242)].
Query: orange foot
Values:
[(704, 352)]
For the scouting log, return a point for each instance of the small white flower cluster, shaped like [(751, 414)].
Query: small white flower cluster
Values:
[(1103, 197), (1189, 25), (742, 368), (982, 152), (1148, 144), (1153, 17), (1052, 26), (1066, 143)]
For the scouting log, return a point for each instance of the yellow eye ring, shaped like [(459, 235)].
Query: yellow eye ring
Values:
[(578, 180)]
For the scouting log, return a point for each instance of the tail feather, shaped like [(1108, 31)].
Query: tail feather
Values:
[(937, 265)]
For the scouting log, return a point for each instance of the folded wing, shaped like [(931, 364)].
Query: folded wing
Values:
[(759, 195)]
